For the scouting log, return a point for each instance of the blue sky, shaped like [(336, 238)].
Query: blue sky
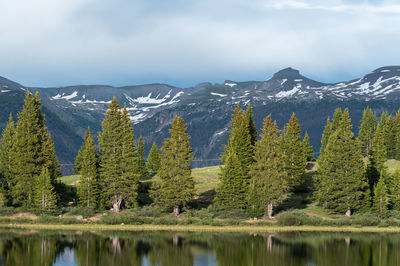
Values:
[(183, 42)]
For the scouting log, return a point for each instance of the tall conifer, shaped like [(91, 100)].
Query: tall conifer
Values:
[(377, 159), (295, 153), (153, 160), (141, 161), (337, 116), (6, 143), (308, 149), (269, 182), (88, 187), (45, 198), (381, 198), (395, 190), (252, 125), (176, 187), (325, 136), (367, 129)]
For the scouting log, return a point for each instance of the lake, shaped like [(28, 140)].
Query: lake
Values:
[(28, 247)]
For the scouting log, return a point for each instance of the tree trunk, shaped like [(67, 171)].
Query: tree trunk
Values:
[(176, 211), (270, 209), (117, 203)]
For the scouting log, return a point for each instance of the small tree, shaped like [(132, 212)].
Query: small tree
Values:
[(268, 183), (176, 187), (45, 198), (395, 190), (367, 129), (153, 160), (308, 148), (141, 161), (381, 198)]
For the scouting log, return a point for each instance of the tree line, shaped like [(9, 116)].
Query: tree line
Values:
[(259, 171)]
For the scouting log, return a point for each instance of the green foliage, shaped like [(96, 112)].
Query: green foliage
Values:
[(87, 188), (118, 159), (337, 117), (269, 181), (251, 125), (45, 198), (295, 154), (381, 198), (340, 182), (32, 150), (377, 158), (141, 161), (6, 143), (176, 187), (231, 191), (240, 140), (153, 160), (325, 136), (389, 129), (395, 190), (308, 149), (366, 131)]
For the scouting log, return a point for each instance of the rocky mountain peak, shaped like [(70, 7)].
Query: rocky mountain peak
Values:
[(287, 73)]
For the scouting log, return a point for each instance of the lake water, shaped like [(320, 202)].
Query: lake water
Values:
[(175, 248)]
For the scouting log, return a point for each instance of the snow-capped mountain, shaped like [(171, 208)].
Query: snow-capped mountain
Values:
[(205, 107)]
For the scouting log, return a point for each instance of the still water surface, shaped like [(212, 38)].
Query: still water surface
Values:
[(175, 248)]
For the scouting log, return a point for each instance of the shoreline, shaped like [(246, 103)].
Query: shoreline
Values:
[(201, 228)]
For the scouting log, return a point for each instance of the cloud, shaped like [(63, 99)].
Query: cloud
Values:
[(44, 43)]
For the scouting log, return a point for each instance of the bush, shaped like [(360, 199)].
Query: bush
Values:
[(366, 219), (292, 218), (148, 211)]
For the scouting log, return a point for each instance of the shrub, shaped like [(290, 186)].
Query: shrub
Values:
[(366, 219), (292, 218)]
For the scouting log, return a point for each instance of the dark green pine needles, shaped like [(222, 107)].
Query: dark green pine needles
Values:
[(153, 160), (176, 187), (6, 143)]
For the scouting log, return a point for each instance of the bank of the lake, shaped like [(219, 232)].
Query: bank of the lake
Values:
[(201, 228)]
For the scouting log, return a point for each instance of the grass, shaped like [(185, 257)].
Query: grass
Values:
[(206, 178), (392, 165), (70, 180)]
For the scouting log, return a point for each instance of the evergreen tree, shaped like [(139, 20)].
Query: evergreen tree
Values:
[(32, 150), (153, 160), (268, 184), (395, 190), (377, 159), (295, 153), (325, 136), (337, 116), (252, 125), (231, 191), (308, 149), (240, 140), (389, 134), (87, 188), (340, 182), (367, 129), (141, 161), (381, 198), (6, 143), (45, 198), (176, 187), (78, 160), (117, 159)]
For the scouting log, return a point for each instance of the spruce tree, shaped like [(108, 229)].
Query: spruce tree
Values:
[(87, 188), (395, 190), (176, 187), (389, 134), (337, 116), (251, 125), (340, 182), (269, 182), (141, 161), (6, 143), (325, 136), (240, 140), (231, 192), (367, 129), (45, 198), (153, 160), (78, 160), (294, 153), (381, 198), (377, 159), (308, 149), (33, 149), (117, 159)]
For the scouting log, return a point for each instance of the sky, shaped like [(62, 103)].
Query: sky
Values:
[(185, 42)]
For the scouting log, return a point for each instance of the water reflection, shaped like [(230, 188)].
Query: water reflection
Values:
[(169, 248)]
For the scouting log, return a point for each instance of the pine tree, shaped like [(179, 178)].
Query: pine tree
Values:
[(294, 153), (45, 198), (377, 159), (308, 149), (340, 182), (77, 165), (381, 198), (33, 149), (337, 116), (87, 188), (325, 136), (231, 191), (6, 143), (176, 187), (240, 140), (268, 184), (389, 134), (252, 125), (141, 161), (117, 159), (395, 190), (153, 160), (367, 129)]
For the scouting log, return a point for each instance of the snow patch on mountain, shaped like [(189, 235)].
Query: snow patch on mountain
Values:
[(230, 84), (284, 94), (65, 97), (218, 94)]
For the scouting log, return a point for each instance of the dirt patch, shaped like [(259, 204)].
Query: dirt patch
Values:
[(24, 215)]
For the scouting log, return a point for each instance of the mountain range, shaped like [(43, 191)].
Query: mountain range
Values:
[(206, 107)]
